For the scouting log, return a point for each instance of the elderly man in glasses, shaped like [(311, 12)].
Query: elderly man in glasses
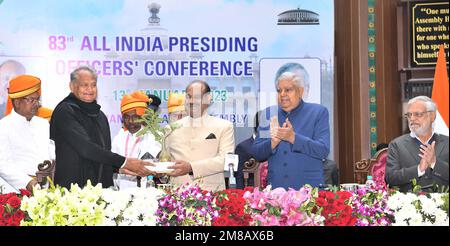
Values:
[(24, 138), (422, 154)]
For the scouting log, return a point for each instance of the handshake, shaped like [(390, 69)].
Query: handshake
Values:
[(137, 167)]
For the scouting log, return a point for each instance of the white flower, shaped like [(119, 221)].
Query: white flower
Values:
[(416, 219), (428, 206)]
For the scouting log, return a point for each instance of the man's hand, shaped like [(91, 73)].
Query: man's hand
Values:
[(180, 168), (286, 133), (274, 126), (31, 184), (137, 166), (428, 155)]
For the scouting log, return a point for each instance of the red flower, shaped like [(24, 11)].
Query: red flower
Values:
[(344, 194), (7, 218), (321, 202), (330, 196), (3, 199), (352, 221), (221, 221), (240, 212), (2, 210), (14, 201), (339, 204), (24, 192), (344, 219), (347, 210), (18, 216)]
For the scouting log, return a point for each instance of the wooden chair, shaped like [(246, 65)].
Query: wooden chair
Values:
[(251, 170), (255, 173), (376, 167), (45, 169)]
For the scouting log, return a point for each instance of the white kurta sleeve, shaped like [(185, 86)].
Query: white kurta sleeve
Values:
[(8, 171)]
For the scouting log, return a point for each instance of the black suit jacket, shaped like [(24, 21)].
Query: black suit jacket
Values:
[(83, 145), (403, 160)]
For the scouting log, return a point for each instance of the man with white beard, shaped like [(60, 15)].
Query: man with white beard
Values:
[(422, 154)]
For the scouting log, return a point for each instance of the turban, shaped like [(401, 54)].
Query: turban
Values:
[(45, 113), (176, 102), (137, 100), (22, 86)]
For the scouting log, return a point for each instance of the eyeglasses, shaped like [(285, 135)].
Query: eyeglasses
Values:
[(416, 114), (29, 100), (133, 118)]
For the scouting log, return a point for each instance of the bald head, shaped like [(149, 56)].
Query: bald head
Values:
[(198, 98)]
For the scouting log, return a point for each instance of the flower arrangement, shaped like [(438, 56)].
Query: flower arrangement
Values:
[(187, 205), (232, 208), (336, 208), (370, 207), (419, 209), (282, 208), (58, 206), (10, 212), (131, 207)]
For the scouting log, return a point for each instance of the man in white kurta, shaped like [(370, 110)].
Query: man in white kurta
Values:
[(199, 146), (126, 142), (129, 145), (24, 138)]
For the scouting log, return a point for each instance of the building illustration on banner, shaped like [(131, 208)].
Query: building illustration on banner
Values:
[(298, 17)]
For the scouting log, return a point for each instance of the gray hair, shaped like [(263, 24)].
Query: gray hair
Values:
[(429, 103), (290, 76), (295, 68), (74, 74)]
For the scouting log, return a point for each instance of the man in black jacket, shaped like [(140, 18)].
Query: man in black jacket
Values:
[(82, 137)]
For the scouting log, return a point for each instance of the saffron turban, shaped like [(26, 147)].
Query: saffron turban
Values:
[(176, 102), (22, 86), (137, 100)]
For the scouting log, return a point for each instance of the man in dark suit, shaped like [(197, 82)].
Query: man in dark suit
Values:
[(421, 155), (82, 137)]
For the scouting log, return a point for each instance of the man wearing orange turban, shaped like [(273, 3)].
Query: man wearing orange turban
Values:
[(126, 143), (24, 138), (176, 107)]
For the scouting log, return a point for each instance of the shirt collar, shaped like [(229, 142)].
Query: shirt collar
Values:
[(19, 117)]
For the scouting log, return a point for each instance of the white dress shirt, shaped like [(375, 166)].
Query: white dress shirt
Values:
[(24, 144), (129, 145), (137, 146)]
